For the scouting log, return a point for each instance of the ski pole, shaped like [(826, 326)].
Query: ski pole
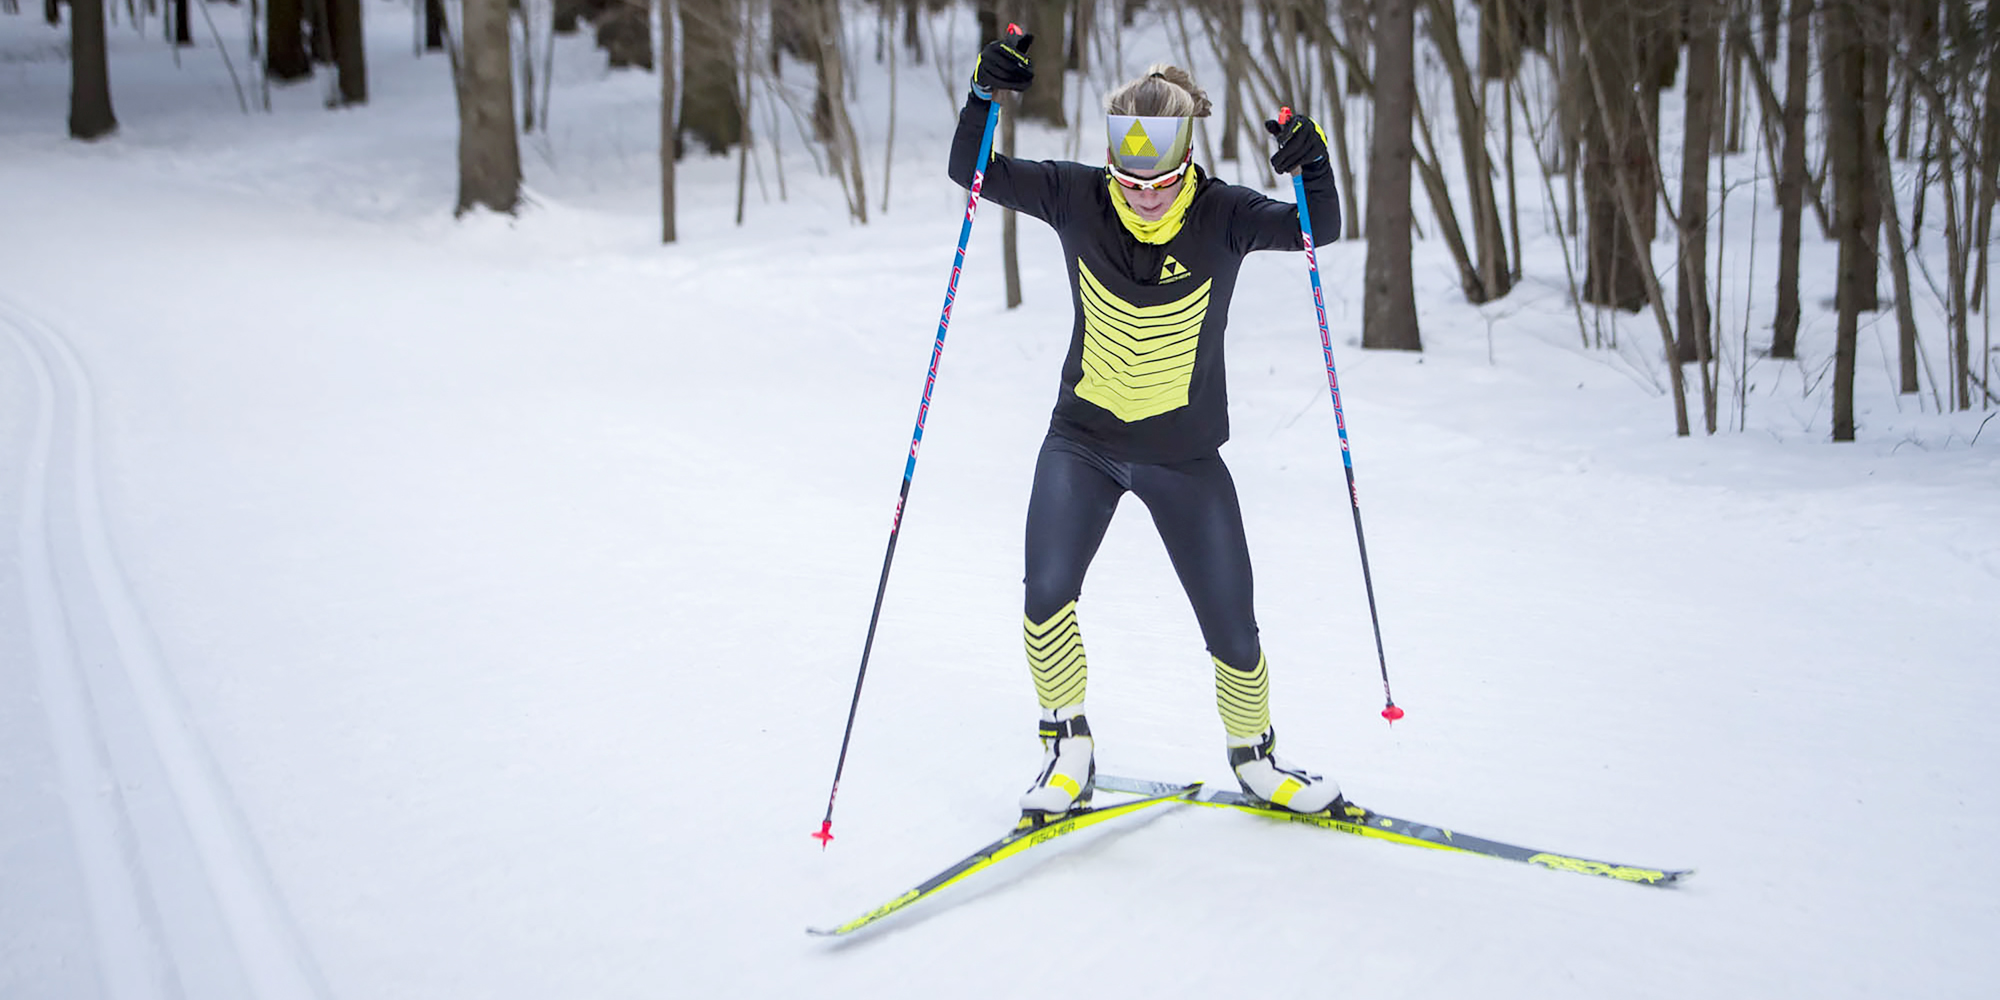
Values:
[(1389, 710), (825, 833)]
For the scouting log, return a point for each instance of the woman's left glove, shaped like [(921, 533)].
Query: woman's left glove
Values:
[(1300, 141)]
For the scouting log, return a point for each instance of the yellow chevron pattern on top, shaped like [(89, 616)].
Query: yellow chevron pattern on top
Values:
[(1055, 658), (1138, 360), (1243, 697)]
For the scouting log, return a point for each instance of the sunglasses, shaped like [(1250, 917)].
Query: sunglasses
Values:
[(1160, 183)]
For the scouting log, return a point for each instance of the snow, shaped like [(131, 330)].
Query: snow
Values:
[(399, 606)]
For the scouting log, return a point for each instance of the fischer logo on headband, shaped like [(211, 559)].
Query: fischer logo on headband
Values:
[(1149, 143)]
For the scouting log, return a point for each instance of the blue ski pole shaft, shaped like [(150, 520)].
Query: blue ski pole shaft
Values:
[(825, 833), (1389, 710)]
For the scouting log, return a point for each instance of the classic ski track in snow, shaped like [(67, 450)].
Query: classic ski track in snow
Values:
[(181, 902)]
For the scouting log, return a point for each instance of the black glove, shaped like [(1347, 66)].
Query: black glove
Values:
[(1300, 141), (1003, 65)]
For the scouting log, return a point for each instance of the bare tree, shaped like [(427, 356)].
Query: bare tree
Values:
[(1618, 151), (1627, 183), (489, 157), (285, 56), (1792, 178), (625, 33), (1878, 39), (1229, 14), (1389, 307), (1691, 314), (1845, 95), (434, 24), (1919, 19), (1045, 19), (90, 114), (843, 146), (350, 55), (1491, 276), (1989, 161), (1899, 269), (1331, 49), (670, 130), (710, 113), (1691, 306)]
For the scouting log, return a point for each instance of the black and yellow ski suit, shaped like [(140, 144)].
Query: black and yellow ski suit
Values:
[(1143, 404)]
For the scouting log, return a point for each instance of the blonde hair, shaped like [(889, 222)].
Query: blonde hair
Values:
[(1165, 90)]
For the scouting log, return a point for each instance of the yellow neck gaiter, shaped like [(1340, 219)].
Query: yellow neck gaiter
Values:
[(1169, 225)]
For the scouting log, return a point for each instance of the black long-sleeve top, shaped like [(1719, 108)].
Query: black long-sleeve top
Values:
[(1144, 380)]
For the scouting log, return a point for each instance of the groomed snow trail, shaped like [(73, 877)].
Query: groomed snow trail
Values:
[(181, 903)]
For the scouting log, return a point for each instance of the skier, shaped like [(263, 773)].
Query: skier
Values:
[(1153, 245)]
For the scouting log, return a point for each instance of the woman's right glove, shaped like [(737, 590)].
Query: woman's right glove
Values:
[(1003, 65)]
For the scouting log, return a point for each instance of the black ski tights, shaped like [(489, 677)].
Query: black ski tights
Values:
[(1194, 507)]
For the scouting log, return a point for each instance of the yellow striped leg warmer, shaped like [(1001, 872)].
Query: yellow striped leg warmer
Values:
[(1055, 657), (1244, 698)]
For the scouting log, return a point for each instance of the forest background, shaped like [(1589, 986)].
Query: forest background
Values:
[(1874, 124)]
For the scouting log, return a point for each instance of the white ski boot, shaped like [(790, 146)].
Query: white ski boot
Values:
[(1269, 778), (1069, 766)]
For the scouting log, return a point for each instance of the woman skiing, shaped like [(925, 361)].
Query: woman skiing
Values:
[(1153, 245)]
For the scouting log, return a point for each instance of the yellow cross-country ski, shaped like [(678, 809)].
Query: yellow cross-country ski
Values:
[(1349, 818), (1029, 834)]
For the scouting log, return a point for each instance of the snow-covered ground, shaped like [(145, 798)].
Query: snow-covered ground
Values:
[(405, 607)]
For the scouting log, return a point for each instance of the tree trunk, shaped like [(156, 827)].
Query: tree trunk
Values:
[(710, 112), (183, 30), (1616, 151), (625, 33), (1488, 235), (1691, 315), (1845, 96), (1920, 22), (319, 31), (1989, 174), (350, 54), (1628, 204), (1045, 19), (1899, 270), (1502, 31), (90, 114), (1792, 179), (285, 55), (52, 12), (1336, 108), (1389, 307), (791, 31), (824, 128), (569, 15), (669, 130), (843, 144), (913, 38), (434, 24), (1081, 14), (1230, 12), (489, 158), (1872, 21)]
